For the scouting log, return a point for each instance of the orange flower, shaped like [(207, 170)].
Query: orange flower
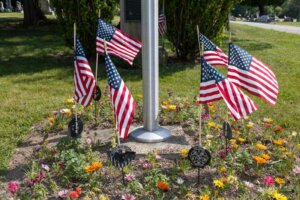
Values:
[(265, 156), (163, 186), (78, 190), (93, 167), (280, 181), (259, 160), (278, 142), (278, 129), (73, 195)]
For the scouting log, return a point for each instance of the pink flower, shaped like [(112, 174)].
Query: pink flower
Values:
[(46, 167), (129, 177), (88, 140), (228, 149), (222, 154), (13, 186), (269, 181), (55, 113), (128, 197), (146, 165), (142, 161), (157, 157), (296, 170), (205, 116), (249, 185), (63, 193)]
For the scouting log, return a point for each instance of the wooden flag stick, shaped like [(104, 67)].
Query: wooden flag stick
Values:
[(76, 115), (200, 113), (116, 127), (96, 73), (229, 29)]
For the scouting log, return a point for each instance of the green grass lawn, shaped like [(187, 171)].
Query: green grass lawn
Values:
[(36, 76), (288, 23)]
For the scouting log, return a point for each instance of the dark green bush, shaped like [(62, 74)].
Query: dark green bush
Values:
[(184, 15), (85, 14)]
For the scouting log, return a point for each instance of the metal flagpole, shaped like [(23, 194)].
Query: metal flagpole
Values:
[(96, 73), (151, 131), (76, 115), (116, 126), (200, 114)]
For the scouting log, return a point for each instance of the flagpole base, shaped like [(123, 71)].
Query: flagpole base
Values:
[(142, 135)]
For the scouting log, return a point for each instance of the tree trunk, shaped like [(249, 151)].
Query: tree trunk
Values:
[(261, 10), (32, 13)]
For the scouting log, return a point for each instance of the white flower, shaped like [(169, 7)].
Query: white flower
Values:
[(179, 181), (46, 167)]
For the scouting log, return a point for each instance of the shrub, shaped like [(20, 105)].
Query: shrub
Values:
[(184, 15), (85, 14)]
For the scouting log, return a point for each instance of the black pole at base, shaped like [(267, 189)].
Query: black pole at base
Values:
[(198, 176)]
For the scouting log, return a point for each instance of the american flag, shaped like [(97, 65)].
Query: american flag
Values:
[(84, 81), (238, 103), (209, 91), (252, 75), (122, 101), (162, 24), (118, 43), (212, 54)]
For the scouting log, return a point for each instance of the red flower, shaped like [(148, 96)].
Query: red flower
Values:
[(73, 195), (13, 186)]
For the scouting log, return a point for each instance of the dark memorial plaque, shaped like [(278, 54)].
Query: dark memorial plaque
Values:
[(199, 157), (133, 10), (121, 156), (72, 127)]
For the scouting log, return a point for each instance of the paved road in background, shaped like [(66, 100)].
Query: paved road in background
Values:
[(281, 28)]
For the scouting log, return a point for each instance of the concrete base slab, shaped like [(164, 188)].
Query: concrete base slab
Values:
[(177, 141)]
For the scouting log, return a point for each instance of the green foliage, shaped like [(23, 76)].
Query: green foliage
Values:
[(184, 15), (85, 14), (292, 8), (74, 164)]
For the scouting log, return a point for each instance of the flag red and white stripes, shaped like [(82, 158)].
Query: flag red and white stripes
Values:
[(162, 24), (216, 57), (118, 43), (238, 103), (121, 98), (84, 81), (252, 75)]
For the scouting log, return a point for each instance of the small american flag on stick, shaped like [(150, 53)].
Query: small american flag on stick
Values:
[(122, 101), (84, 81), (162, 24), (212, 54), (217, 87), (252, 75), (118, 43)]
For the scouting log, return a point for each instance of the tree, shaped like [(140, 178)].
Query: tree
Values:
[(184, 15), (32, 12), (85, 14), (292, 8), (262, 3)]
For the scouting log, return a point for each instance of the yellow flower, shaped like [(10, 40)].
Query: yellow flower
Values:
[(68, 112), (232, 179), (288, 153), (222, 169), (298, 145), (280, 181), (219, 184), (265, 156), (212, 107), (259, 160), (250, 125), (103, 197), (268, 120), (282, 149), (232, 141), (241, 139), (51, 120), (70, 101), (278, 142), (261, 146), (184, 153), (211, 124), (235, 145), (140, 96), (171, 107), (165, 102), (205, 197), (278, 196)]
